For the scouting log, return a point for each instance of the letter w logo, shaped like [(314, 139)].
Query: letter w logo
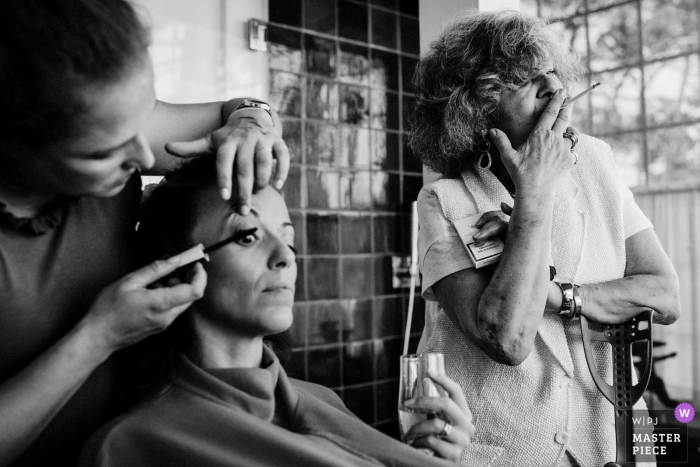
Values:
[(684, 412)]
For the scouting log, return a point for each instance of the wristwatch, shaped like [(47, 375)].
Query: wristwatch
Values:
[(253, 104), (571, 300)]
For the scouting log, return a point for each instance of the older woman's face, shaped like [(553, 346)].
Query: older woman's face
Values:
[(250, 286), (520, 109)]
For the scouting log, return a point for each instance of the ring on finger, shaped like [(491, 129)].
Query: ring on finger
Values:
[(575, 155), (445, 430), (571, 135)]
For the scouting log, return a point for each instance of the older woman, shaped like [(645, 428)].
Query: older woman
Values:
[(79, 120), (225, 399), (491, 114)]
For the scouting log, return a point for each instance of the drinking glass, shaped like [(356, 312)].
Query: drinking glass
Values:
[(414, 382)]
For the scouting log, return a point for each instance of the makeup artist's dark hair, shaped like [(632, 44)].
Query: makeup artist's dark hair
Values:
[(50, 50), (168, 215)]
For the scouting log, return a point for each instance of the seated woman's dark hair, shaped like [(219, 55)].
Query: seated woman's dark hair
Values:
[(52, 49), (168, 215)]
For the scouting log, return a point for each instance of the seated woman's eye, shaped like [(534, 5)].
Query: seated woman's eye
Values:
[(246, 237)]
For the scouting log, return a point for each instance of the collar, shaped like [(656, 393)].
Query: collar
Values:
[(46, 220)]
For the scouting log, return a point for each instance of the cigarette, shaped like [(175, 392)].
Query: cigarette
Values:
[(578, 96)]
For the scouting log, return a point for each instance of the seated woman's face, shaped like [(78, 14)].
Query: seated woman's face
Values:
[(250, 287)]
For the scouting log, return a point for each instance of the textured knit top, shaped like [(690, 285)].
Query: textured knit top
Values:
[(530, 414), (245, 417)]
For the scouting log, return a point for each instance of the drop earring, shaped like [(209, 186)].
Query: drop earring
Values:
[(484, 146)]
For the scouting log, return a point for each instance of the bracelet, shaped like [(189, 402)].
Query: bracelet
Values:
[(253, 104), (578, 303), (568, 306)]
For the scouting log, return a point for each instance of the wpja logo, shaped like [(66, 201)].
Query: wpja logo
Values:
[(661, 435)]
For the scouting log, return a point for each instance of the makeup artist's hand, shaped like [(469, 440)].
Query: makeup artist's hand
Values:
[(452, 410), (251, 144), (493, 224), (128, 311)]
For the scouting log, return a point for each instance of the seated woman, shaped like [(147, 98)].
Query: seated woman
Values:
[(223, 398)]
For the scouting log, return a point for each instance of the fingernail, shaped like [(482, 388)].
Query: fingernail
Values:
[(474, 237), (278, 184), (174, 259), (245, 210), (225, 193)]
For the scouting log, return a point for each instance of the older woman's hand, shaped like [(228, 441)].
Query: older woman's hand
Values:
[(541, 162), (451, 432), (493, 224)]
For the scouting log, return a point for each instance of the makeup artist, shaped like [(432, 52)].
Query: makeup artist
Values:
[(491, 116), (79, 121)]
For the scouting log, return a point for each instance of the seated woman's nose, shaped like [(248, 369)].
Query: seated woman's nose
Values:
[(549, 84)]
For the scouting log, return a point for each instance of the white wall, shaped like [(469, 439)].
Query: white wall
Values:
[(200, 51)]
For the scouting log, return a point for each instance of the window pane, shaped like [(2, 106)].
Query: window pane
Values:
[(552, 9), (627, 151), (616, 102), (614, 36), (573, 33), (672, 90), (669, 27), (674, 155)]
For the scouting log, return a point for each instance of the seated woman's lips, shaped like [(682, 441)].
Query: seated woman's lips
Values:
[(279, 287)]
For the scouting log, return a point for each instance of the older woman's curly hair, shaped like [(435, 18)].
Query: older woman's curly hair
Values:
[(460, 79)]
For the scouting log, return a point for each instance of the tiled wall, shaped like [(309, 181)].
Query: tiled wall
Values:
[(340, 77)]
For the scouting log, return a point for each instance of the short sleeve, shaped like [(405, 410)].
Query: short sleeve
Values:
[(634, 219), (440, 249)]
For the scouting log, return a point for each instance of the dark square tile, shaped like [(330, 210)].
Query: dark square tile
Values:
[(411, 162), (408, 68), (299, 291), (412, 185), (320, 55), (386, 191), (384, 69), (384, 109), (390, 428), (409, 105), (360, 401), (292, 136), (385, 150), (354, 105), (325, 321), (354, 147), (357, 322), (383, 284), (321, 144), (385, 3), (354, 64), (356, 277), (285, 93), (357, 364), (324, 366), (355, 234), (284, 49), (298, 332), (387, 353), (384, 28), (322, 278), (296, 366), (388, 317), (409, 7), (387, 234), (285, 12), (387, 400), (418, 321), (322, 188), (405, 232), (320, 16), (292, 187), (322, 234), (410, 35), (352, 21), (355, 190), (321, 99)]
